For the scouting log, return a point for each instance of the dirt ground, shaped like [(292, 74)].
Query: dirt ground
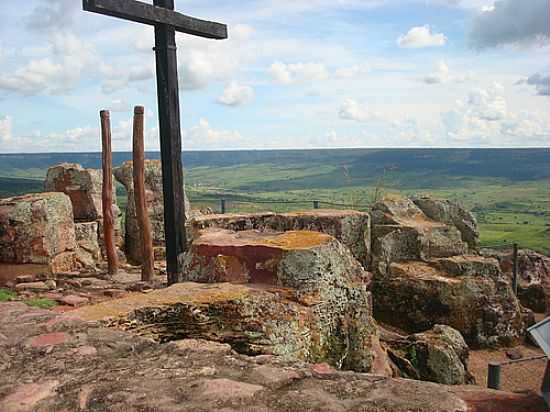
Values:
[(517, 377)]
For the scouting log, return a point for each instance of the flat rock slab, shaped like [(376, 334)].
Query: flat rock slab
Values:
[(351, 228), (129, 373), (253, 319), (313, 263)]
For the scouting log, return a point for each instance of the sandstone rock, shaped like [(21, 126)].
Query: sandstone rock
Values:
[(155, 207), (134, 374), (254, 320), (88, 251), (83, 186), (37, 229), (438, 355), (402, 232), (33, 286), (320, 271), (350, 227), (415, 296), (533, 276), (452, 213)]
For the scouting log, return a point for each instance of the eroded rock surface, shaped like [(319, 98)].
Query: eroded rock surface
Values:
[(155, 208), (350, 227), (87, 239), (468, 293), (83, 186), (533, 276), (402, 232), (53, 363), (38, 229), (454, 214), (255, 320), (438, 355)]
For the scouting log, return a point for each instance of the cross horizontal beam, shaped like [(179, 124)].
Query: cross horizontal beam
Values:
[(148, 14)]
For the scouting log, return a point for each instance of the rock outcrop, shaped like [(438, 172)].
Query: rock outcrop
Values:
[(38, 229), (468, 293), (350, 227), (155, 208), (89, 252), (320, 275), (83, 186), (253, 320), (452, 214), (438, 355), (533, 276), (60, 363), (424, 275), (402, 232)]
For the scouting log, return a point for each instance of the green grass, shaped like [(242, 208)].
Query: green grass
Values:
[(6, 295), (41, 303)]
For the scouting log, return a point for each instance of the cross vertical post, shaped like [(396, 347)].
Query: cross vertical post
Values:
[(170, 143), (167, 21)]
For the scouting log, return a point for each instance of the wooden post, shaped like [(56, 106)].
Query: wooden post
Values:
[(515, 268), (107, 193), (170, 144), (144, 224)]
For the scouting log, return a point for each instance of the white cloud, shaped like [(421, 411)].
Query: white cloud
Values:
[(541, 83), (352, 110), (53, 15), (203, 136), (119, 105), (442, 74), (204, 61), (352, 71), (421, 37), (235, 94), (5, 129), (485, 119), (512, 22), (286, 74)]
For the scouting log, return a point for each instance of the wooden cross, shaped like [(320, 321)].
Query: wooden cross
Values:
[(166, 21)]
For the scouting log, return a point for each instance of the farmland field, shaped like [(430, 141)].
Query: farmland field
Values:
[(509, 190)]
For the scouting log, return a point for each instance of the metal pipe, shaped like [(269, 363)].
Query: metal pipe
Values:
[(493, 376)]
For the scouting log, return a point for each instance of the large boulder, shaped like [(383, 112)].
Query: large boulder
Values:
[(254, 320), (533, 276), (438, 355), (351, 228), (453, 214), (83, 186), (468, 293), (38, 229), (402, 232), (155, 208)]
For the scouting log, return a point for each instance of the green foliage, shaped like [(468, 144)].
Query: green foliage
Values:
[(6, 295), (413, 357), (41, 303)]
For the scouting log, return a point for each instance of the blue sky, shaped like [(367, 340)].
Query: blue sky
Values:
[(293, 74)]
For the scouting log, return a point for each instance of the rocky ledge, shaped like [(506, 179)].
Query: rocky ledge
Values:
[(53, 363)]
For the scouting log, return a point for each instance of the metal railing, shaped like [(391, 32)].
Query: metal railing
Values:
[(495, 369)]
